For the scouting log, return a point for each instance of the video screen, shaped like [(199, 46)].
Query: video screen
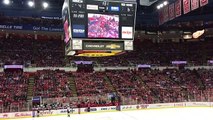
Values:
[(103, 26), (66, 31)]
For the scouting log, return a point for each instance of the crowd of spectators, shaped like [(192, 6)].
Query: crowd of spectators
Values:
[(151, 86), (143, 86), (91, 84), (40, 53), (133, 86), (49, 51), (52, 84), (13, 88), (125, 82), (146, 86), (160, 54)]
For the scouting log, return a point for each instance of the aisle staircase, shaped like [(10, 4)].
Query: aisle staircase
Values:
[(147, 88), (108, 81), (30, 88), (73, 86), (201, 84), (187, 95)]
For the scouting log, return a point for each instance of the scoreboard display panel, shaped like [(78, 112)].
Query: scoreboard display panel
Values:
[(93, 19), (99, 20)]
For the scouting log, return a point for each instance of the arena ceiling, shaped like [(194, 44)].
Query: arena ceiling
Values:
[(147, 10)]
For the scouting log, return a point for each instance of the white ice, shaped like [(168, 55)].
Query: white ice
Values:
[(157, 114)]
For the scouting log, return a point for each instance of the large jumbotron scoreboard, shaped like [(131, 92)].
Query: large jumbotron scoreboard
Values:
[(98, 27)]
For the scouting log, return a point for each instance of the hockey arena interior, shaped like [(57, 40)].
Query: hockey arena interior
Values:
[(106, 59)]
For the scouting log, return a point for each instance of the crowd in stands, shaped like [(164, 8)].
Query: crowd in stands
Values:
[(133, 86), (126, 83), (13, 88), (31, 52), (151, 86), (24, 49), (160, 54), (52, 84), (91, 84), (143, 86)]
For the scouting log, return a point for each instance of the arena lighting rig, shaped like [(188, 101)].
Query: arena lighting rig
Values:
[(45, 5), (6, 2), (165, 3), (30, 3), (97, 28)]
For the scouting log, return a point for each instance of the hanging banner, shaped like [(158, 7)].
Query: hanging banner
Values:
[(203, 2), (171, 11), (166, 14), (178, 8), (160, 13), (194, 4), (186, 6)]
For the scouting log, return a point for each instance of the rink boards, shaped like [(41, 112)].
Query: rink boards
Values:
[(60, 112)]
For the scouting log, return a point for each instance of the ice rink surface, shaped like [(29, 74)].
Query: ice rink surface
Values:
[(157, 114)]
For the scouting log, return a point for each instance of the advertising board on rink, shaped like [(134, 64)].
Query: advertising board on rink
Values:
[(28, 114), (16, 115)]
